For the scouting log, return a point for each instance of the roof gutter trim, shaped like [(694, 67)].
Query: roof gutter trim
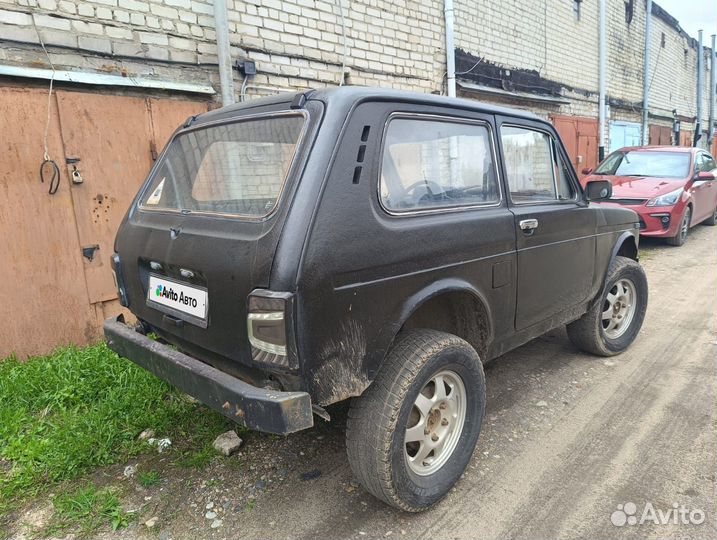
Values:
[(471, 87), (106, 79)]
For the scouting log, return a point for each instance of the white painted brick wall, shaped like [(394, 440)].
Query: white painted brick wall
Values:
[(299, 44)]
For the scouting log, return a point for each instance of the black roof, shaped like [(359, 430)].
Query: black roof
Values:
[(344, 97), (351, 94)]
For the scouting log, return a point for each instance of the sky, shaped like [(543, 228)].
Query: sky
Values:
[(694, 15)]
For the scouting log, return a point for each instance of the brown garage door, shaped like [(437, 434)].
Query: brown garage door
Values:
[(580, 137), (685, 138), (56, 283), (114, 138), (660, 135)]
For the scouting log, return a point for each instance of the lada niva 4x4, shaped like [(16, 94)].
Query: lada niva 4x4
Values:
[(380, 246)]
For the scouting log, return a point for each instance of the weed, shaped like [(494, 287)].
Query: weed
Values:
[(199, 459), (85, 510), (80, 408), (148, 479)]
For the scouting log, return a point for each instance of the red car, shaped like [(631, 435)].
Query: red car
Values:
[(671, 188)]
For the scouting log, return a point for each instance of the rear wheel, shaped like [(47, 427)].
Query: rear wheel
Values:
[(712, 220), (411, 435), (612, 324), (683, 231)]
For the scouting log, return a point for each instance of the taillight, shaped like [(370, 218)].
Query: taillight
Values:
[(119, 279), (270, 328)]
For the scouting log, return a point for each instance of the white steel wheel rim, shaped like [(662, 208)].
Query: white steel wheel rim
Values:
[(619, 308), (435, 423)]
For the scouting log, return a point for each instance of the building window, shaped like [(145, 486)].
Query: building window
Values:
[(576, 9)]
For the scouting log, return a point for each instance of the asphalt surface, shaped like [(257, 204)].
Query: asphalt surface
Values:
[(567, 437)]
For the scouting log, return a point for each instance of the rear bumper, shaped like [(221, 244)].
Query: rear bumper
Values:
[(257, 408)]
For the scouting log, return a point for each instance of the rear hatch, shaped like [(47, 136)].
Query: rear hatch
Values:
[(202, 233)]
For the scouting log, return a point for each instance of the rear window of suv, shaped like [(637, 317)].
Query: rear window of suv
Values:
[(237, 168)]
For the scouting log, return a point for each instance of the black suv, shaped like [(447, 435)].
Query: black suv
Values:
[(300, 250)]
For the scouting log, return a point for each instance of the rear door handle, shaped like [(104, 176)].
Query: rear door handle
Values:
[(528, 225)]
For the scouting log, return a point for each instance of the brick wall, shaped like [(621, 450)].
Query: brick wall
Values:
[(300, 44)]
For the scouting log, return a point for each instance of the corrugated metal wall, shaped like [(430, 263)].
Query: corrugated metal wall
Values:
[(51, 294)]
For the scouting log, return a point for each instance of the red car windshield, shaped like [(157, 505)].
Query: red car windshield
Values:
[(640, 163)]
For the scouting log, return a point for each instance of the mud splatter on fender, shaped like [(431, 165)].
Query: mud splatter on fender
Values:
[(340, 372)]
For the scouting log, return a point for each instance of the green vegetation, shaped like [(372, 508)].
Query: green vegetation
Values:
[(85, 510), (198, 459), (79, 408), (148, 479)]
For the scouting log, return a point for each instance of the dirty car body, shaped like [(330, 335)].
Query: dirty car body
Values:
[(299, 291)]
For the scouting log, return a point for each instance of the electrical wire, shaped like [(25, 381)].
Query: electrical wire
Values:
[(468, 70), (55, 179), (654, 70), (242, 90)]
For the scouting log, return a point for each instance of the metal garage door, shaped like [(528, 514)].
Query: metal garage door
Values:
[(580, 137), (624, 134)]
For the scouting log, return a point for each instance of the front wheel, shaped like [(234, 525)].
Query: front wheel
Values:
[(411, 435), (612, 324), (683, 231)]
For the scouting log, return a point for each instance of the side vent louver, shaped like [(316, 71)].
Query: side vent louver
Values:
[(361, 154)]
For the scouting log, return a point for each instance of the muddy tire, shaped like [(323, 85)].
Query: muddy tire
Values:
[(613, 323), (411, 435), (681, 236)]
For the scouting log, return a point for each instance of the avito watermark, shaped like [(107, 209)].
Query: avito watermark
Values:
[(678, 514)]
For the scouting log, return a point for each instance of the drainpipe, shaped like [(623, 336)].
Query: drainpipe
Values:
[(602, 75), (711, 128), (451, 88), (450, 50), (700, 78), (645, 77), (221, 26)]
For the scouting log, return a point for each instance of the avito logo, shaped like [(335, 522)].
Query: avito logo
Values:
[(169, 294)]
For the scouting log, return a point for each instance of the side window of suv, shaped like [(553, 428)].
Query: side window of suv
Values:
[(433, 163), (535, 170)]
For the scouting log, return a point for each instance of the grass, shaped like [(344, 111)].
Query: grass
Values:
[(85, 510), (79, 408), (148, 479)]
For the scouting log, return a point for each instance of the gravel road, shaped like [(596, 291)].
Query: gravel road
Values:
[(567, 437), (570, 443)]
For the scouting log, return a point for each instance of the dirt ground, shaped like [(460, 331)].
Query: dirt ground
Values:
[(566, 439)]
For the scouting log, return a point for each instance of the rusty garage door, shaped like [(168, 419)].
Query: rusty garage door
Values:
[(580, 137), (42, 287), (685, 138), (660, 135), (59, 246)]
